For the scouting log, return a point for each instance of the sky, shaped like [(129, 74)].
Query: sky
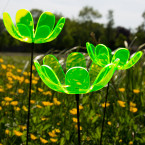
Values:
[(127, 13)]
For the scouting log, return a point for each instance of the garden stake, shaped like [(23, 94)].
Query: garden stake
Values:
[(107, 91), (78, 117), (28, 117)]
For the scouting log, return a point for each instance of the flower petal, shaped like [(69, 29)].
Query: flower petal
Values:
[(134, 59), (104, 77), (56, 31), (91, 51), (46, 79), (78, 80), (46, 19), (123, 54), (52, 62), (10, 26), (75, 59), (24, 17)]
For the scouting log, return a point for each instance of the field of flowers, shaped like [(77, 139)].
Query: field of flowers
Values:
[(53, 118)]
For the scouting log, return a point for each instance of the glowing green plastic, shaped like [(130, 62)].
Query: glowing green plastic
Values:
[(77, 79), (24, 30), (102, 56)]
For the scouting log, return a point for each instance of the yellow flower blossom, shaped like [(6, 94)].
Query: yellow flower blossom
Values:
[(131, 142), (25, 73), (17, 108), (1, 90), (133, 109), (43, 140), (40, 90), (0, 108), (52, 134), (120, 140), (47, 103), (43, 118), (32, 101), (107, 105), (14, 103), (36, 78), (23, 127), (18, 133), (35, 82), (38, 106), (80, 107), (7, 131), (57, 130), (1, 144), (109, 123), (136, 91), (53, 140), (9, 86), (1, 60), (121, 89), (8, 99), (3, 66), (33, 67), (32, 91), (56, 102), (75, 120), (19, 70), (33, 137), (20, 91), (121, 103), (73, 111), (10, 79), (132, 104), (76, 126), (25, 108), (27, 81)]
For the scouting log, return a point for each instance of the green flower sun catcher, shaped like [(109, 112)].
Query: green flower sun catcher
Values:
[(24, 30), (77, 79)]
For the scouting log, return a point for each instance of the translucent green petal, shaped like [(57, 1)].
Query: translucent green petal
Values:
[(134, 59), (102, 55), (78, 80), (46, 79), (104, 77), (91, 51), (52, 62), (25, 33), (123, 54), (94, 71), (41, 33), (75, 59), (24, 17), (10, 26), (56, 31), (47, 19)]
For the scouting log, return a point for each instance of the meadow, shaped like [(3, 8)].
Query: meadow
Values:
[(53, 118)]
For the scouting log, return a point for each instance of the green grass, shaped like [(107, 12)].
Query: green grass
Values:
[(124, 122)]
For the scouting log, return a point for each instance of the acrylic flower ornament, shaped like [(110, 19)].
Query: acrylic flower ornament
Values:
[(77, 79), (24, 30), (102, 56)]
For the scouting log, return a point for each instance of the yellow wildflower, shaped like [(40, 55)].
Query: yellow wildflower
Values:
[(80, 107), (8, 99), (43, 118), (120, 140), (52, 134), (40, 90), (73, 111), (121, 103), (25, 108), (0, 108), (23, 127), (7, 131), (25, 73), (76, 126), (9, 86), (121, 89), (38, 106), (10, 79), (32, 91), (3, 66), (75, 120), (131, 142), (14, 103), (53, 140), (132, 104), (36, 78), (47, 103), (19, 70), (43, 140), (27, 81), (35, 82), (32, 101), (17, 108), (33, 137), (1, 90), (33, 67), (1, 60), (56, 102), (1, 144), (57, 130), (18, 133), (107, 105), (109, 123), (136, 91), (133, 109), (20, 91)]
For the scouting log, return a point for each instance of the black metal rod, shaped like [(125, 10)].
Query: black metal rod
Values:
[(107, 91), (28, 117), (78, 118)]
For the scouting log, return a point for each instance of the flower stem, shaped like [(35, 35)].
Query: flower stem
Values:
[(107, 91), (28, 117), (78, 117)]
